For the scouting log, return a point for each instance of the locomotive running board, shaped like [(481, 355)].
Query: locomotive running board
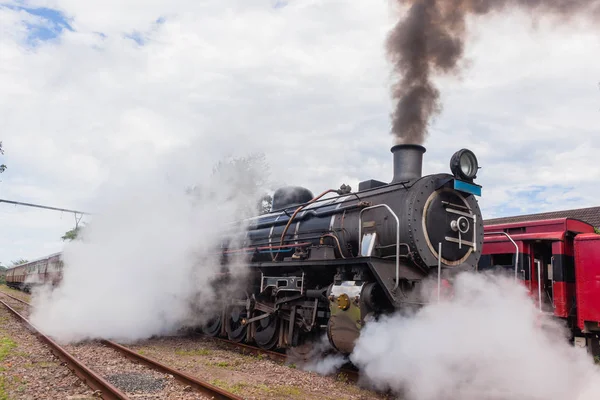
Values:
[(384, 271)]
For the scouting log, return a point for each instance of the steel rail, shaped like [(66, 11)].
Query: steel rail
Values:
[(213, 391), (352, 374), (16, 298), (204, 387), (89, 377), (246, 348)]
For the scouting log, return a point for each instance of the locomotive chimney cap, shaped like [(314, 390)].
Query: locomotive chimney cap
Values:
[(408, 162), (417, 147)]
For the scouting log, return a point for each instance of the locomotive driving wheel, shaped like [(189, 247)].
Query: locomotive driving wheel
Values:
[(235, 319), (267, 331), (212, 327), (307, 348)]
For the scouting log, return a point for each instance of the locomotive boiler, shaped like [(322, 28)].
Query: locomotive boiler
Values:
[(329, 264)]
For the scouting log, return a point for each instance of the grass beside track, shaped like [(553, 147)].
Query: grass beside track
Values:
[(17, 293), (3, 394), (6, 346)]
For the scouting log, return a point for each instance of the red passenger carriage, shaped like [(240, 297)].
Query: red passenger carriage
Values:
[(558, 260)]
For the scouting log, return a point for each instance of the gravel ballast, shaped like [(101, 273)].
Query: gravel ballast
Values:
[(135, 380), (28, 370), (252, 377)]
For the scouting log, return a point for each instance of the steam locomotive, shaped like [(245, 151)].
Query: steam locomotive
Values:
[(329, 265)]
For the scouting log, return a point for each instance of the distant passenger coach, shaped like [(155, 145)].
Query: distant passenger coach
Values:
[(47, 270)]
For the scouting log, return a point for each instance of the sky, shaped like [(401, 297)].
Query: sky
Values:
[(95, 91)]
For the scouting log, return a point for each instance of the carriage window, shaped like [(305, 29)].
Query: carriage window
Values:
[(491, 261), (505, 260)]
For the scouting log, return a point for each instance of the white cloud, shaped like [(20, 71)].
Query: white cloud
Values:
[(307, 84)]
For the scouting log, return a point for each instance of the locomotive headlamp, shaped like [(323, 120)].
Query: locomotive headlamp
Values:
[(464, 165)]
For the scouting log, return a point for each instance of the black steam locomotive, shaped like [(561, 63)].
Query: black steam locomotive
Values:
[(332, 264)]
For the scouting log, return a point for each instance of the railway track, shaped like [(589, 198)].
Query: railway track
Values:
[(17, 299), (350, 373), (96, 382)]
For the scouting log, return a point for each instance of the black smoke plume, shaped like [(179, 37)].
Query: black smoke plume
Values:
[(429, 40)]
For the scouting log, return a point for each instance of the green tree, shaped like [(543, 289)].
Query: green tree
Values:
[(73, 233), (18, 261), (597, 230), (2, 166)]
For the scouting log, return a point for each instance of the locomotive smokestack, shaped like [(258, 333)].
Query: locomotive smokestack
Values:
[(408, 162)]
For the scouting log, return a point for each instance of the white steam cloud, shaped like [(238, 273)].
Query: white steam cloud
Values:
[(487, 342), (145, 262), (320, 361)]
